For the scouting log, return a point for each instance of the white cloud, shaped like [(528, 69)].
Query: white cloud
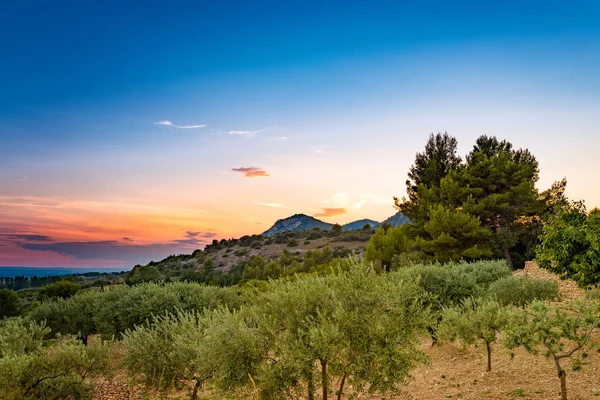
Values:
[(319, 150), (245, 133), (274, 205), (169, 123), (280, 138), (339, 200)]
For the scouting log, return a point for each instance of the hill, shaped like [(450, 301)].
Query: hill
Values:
[(303, 222), (223, 262), (397, 219), (352, 226), (296, 223)]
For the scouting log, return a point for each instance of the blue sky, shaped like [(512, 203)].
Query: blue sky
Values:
[(331, 99)]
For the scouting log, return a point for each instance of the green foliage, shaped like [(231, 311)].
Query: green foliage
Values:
[(18, 336), (142, 274), (354, 325), (454, 235), (555, 332), (387, 243), (336, 230), (449, 285), (72, 316), (438, 159), (485, 207), (28, 370), (157, 354), (112, 312), (62, 372), (570, 244), (520, 291), (472, 321), (9, 303), (63, 289)]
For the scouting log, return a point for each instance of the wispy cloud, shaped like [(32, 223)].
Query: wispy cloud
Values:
[(331, 212), (195, 238), (274, 205), (251, 172), (29, 238), (113, 250), (319, 150), (280, 138), (248, 134), (171, 124)]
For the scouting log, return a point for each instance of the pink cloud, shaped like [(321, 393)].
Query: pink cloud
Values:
[(251, 172)]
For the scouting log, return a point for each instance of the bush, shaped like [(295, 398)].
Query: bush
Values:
[(450, 284), (28, 370), (520, 291), (63, 289), (313, 235), (112, 312), (9, 303)]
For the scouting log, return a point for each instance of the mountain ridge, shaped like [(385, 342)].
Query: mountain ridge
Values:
[(301, 222)]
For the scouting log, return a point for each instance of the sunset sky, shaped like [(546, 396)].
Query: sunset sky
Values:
[(133, 131)]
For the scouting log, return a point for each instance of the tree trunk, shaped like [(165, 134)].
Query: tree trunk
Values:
[(341, 387), (563, 378), (196, 387), (489, 354), (311, 386), (508, 257), (324, 382), (433, 334)]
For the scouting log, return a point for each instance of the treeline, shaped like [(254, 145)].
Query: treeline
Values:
[(14, 302), (88, 279)]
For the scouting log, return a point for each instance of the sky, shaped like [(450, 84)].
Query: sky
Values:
[(130, 131)]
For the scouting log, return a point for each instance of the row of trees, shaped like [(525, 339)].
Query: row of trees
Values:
[(355, 329), (110, 313)]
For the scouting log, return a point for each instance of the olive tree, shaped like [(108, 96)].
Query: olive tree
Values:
[(29, 370), (521, 290), (475, 320), (558, 333)]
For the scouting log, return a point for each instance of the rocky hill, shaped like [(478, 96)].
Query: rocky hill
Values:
[(297, 223), (397, 219), (303, 222)]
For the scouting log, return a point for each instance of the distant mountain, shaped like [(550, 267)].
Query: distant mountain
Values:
[(303, 222), (351, 226), (397, 219), (295, 223)]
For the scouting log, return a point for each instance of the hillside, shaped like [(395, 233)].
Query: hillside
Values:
[(303, 222), (223, 262), (351, 226), (296, 223), (397, 219)]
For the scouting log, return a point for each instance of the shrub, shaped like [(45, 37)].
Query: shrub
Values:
[(520, 291), (30, 371)]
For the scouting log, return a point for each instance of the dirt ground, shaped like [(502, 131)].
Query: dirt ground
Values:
[(454, 373)]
